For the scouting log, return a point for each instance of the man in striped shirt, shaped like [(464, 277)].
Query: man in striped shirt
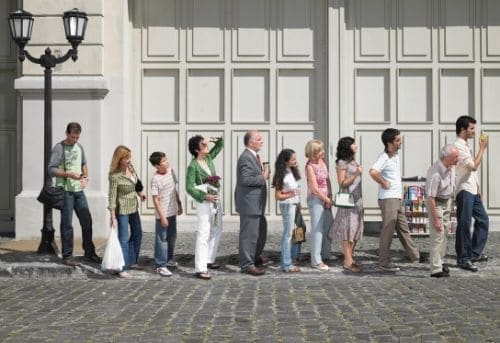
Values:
[(167, 206)]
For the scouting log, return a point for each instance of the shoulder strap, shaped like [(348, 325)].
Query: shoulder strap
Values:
[(134, 172), (63, 159), (174, 176), (63, 155), (83, 151)]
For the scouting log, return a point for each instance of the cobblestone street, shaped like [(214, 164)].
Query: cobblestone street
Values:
[(312, 306)]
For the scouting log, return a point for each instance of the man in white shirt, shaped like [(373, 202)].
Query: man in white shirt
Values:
[(387, 173), (468, 198)]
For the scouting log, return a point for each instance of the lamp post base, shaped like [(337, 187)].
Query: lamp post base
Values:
[(48, 243)]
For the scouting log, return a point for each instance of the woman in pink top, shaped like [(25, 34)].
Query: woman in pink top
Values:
[(319, 201)]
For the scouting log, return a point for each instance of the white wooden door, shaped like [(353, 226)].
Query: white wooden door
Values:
[(222, 67), (417, 65)]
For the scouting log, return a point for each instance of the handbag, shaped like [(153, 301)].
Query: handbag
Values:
[(113, 256), (139, 187), (343, 199), (299, 230), (52, 197)]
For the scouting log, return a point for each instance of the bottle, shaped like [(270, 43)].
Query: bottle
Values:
[(411, 193)]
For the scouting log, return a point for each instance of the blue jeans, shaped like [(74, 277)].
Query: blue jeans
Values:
[(78, 202), (165, 241), (470, 206), (288, 249), (130, 245), (295, 251), (321, 221)]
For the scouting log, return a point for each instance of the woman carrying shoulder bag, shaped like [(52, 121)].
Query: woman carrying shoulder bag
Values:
[(124, 190), (287, 192), (348, 223)]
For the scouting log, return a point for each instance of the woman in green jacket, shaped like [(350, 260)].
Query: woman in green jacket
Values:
[(202, 184)]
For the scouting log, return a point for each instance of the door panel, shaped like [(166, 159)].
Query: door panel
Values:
[(442, 66), (222, 67), (8, 120)]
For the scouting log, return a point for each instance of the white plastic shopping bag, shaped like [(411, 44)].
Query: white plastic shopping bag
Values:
[(113, 255)]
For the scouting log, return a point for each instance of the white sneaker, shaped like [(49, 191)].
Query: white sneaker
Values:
[(163, 271), (172, 264)]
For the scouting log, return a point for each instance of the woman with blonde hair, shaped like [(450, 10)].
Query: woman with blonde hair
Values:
[(319, 200), (124, 188)]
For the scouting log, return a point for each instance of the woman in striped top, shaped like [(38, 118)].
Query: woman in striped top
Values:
[(124, 206)]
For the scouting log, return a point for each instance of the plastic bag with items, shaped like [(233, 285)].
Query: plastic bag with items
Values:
[(113, 260)]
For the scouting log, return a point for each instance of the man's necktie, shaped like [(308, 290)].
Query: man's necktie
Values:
[(259, 160)]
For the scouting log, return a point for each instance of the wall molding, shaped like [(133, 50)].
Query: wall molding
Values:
[(75, 87)]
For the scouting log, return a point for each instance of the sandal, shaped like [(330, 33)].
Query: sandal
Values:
[(321, 266), (203, 276), (136, 266), (357, 264), (124, 275), (352, 269), (292, 269)]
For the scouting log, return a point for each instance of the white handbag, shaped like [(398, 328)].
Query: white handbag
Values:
[(343, 199)]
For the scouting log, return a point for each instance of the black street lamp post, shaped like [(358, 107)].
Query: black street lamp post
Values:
[(21, 25)]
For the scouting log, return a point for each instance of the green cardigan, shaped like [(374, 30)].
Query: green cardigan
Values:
[(196, 175)]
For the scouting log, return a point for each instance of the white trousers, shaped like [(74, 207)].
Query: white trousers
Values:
[(208, 236)]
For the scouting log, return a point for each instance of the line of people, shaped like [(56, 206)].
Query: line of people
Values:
[(453, 175)]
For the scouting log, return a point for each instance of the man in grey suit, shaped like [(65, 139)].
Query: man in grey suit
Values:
[(251, 196)]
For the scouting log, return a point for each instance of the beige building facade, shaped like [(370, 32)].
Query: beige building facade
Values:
[(152, 73)]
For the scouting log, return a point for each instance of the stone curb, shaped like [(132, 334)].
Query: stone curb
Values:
[(27, 263)]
